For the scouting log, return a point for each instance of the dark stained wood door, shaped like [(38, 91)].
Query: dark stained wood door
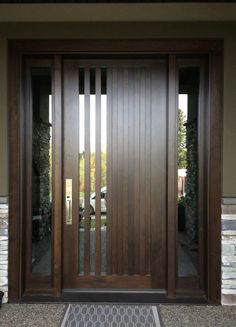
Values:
[(83, 237), (115, 174)]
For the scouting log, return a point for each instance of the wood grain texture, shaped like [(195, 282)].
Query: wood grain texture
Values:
[(70, 168), (57, 177), (136, 164), (15, 173), (172, 177), (145, 117), (118, 46), (214, 175), (159, 150)]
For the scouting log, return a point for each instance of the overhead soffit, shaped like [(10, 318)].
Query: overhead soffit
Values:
[(118, 12)]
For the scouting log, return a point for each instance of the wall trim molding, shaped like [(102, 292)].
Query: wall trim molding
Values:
[(3, 199), (229, 200)]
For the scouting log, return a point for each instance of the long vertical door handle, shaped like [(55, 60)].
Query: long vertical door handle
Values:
[(68, 201)]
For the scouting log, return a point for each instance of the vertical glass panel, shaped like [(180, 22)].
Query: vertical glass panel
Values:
[(93, 194), (97, 174), (81, 170), (41, 170), (188, 172), (103, 173)]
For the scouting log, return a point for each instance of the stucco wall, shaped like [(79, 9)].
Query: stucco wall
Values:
[(130, 30)]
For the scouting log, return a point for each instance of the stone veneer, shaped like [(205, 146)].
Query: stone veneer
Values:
[(4, 248), (228, 241), (191, 184)]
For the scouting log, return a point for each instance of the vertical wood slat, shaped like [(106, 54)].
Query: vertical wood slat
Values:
[(147, 185), (142, 204), (137, 170), (98, 173), (109, 173), (172, 178), (87, 172), (202, 178), (75, 163), (158, 173), (125, 172), (57, 177), (214, 173), (16, 271), (70, 169), (28, 134), (20, 187), (131, 222)]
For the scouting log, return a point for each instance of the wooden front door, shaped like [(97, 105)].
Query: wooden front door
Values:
[(115, 170), (115, 174)]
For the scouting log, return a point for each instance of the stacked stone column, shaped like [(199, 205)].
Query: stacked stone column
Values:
[(4, 250), (229, 251)]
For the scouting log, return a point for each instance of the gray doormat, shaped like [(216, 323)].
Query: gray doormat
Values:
[(110, 315)]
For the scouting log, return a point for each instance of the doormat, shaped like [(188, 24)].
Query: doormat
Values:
[(111, 315)]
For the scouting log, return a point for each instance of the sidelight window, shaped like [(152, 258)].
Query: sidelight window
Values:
[(188, 176), (41, 170)]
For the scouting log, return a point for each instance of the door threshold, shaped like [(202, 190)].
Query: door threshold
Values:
[(115, 290), (112, 296)]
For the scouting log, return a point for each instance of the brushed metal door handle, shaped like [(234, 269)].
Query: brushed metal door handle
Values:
[(68, 201)]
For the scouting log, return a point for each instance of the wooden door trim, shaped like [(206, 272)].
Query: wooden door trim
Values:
[(119, 46), (114, 48), (57, 178), (171, 179), (30, 279)]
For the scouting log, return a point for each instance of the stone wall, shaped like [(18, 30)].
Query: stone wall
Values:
[(191, 185), (4, 248), (228, 251), (41, 168)]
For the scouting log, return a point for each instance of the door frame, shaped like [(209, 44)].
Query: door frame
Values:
[(213, 48)]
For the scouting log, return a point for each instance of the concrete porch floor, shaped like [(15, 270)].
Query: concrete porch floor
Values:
[(51, 315)]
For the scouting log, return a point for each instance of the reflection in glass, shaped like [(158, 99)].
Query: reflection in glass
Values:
[(188, 173), (81, 182), (103, 182), (94, 98), (92, 174), (41, 170)]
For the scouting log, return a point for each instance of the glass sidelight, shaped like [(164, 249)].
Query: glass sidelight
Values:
[(41, 102), (188, 172)]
